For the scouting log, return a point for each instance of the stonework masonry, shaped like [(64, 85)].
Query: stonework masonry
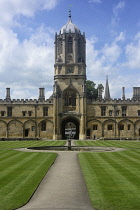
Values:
[(68, 113)]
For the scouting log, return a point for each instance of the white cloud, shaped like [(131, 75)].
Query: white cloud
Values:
[(111, 53), (95, 1), (118, 7), (103, 59), (133, 53), (121, 37), (26, 66), (107, 61), (14, 8), (116, 12)]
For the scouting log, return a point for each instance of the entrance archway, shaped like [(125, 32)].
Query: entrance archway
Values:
[(70, 127)]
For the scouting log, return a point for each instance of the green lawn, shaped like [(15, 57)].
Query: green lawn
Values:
[(113, 179), (21, 172), (121, 144), (21, 144)]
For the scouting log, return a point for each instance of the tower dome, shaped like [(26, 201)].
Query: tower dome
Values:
[(69, 27)]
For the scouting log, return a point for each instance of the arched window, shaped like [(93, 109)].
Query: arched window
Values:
[(70, 43), (70, 98), (66, 100), (73, 99), (43, 126), (60, 47), (79, 47)]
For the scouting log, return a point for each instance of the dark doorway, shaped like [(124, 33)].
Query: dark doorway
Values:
[(70, 127), (26, 132), (88, 133)]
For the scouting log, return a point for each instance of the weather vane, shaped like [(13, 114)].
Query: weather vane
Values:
[(70, 11)]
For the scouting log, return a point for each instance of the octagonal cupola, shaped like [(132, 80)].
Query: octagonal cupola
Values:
[(70, 51), (69, 27)]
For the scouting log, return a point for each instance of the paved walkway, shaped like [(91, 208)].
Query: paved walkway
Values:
[(62, 188)]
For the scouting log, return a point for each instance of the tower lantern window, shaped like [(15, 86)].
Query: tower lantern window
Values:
[(70, 43)]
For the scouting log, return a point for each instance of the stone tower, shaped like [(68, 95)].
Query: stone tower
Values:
[(69, 82)]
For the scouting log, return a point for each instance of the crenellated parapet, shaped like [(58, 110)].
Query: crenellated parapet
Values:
[(26, 101), (114, 101)]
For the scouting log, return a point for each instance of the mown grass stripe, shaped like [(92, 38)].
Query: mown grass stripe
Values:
[(117, 189), (120, 167), (24, 176), (126, 159), (90, 172), (22, 144), (15, 165), (4, 155), (116, 173), (13, 155), (121, 144), (24, 179)]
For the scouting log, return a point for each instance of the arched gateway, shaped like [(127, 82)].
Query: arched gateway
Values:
[(70, 128)]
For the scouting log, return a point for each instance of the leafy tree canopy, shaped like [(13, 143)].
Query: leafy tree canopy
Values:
[(92, 91)]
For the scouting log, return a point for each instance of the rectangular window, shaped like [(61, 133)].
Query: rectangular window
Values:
[(138, 112), (33, 128), (24, 113), (124, 111), (128, 126), (95, 127), (121, 127), (30, 113), (117, 112), (2, 113), (110, 127), (103, 111), (9, 111), (45, 111), (43, 126), (110, 112)]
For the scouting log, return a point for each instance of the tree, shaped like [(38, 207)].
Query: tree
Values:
[(92, 92)]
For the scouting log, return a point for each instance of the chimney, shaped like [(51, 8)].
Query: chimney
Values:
[(41, 94), (123, 93), (136, 93), (8, 98)]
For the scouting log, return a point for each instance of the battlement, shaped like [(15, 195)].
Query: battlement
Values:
[(115, 101), (26, 101)]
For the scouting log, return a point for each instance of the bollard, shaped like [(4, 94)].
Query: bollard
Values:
[(69, 144)]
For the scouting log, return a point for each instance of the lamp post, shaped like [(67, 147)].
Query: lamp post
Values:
[(70, 136), (115, 118)]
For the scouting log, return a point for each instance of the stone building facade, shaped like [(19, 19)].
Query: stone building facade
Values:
[(68, 112)]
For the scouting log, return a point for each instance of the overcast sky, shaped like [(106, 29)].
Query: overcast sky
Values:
[(27, 29)]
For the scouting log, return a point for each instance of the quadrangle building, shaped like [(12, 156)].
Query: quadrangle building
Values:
[(67, 111)]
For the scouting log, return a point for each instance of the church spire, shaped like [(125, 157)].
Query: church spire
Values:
[(107, 92)]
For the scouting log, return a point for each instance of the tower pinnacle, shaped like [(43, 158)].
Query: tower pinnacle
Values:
[(107, 92)]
